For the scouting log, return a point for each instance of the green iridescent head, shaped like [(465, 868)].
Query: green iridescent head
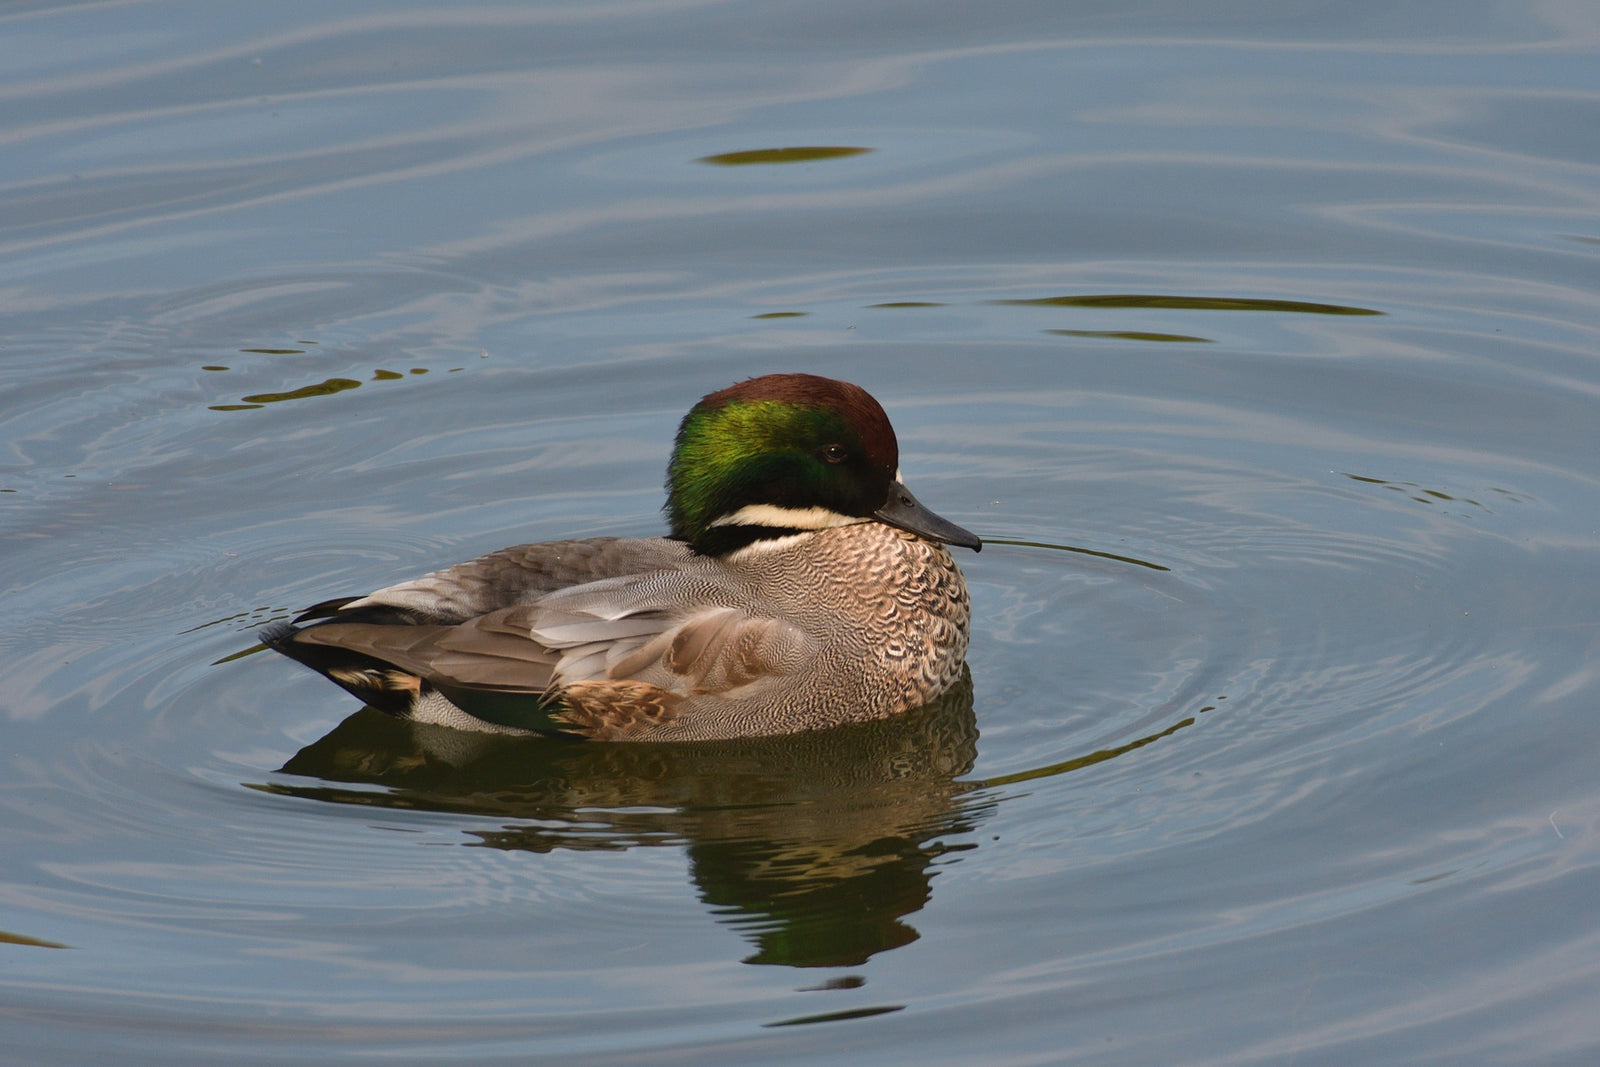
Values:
[(786, 451), (787, 454)]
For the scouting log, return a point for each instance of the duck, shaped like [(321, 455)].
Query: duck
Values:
[(801, 586)]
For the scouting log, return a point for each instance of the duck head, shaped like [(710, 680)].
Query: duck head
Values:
[(784, 454)]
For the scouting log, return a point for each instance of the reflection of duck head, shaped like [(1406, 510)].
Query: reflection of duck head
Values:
[(815, 845)]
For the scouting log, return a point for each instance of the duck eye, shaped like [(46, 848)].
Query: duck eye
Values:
[(835, 454)]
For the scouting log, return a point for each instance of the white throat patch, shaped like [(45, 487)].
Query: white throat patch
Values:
[(788, 518)]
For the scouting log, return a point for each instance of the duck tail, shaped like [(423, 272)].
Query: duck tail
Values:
[(367, 678)]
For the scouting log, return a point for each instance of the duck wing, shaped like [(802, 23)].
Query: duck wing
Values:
[(520, 574), (491, 651), (615, 656)]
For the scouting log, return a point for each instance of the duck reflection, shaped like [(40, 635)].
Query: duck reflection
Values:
[(815, 846)]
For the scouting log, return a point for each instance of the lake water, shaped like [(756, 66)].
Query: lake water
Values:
[(1260, 340)]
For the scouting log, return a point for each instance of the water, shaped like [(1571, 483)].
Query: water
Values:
[(1260, 344)]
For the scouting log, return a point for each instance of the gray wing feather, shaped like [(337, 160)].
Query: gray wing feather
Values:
[(530, 637), (479, 653), (713, 651), (524, 573)]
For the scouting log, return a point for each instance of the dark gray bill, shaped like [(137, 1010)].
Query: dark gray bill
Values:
[(905, 511)]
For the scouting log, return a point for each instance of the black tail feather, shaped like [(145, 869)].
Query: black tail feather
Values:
[(364, 677)]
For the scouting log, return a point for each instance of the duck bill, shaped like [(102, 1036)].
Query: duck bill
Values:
[(906, 512)]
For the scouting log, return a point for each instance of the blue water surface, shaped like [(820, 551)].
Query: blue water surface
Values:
[(1259, 341)]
